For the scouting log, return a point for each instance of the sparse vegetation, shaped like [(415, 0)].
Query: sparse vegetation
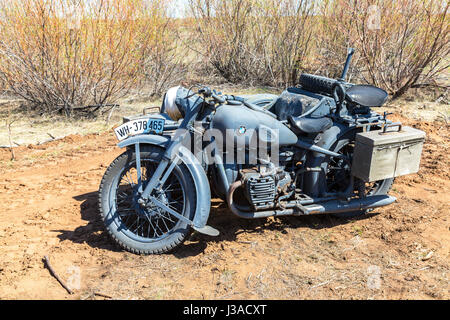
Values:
[(253, 41), (67, 56), (400, 44)]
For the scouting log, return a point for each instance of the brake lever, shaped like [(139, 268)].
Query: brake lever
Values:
[(205, 91), (191, 95)]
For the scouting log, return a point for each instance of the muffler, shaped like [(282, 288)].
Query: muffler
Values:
[(337, 206)]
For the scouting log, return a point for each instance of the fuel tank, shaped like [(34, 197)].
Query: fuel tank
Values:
[(238, 120)]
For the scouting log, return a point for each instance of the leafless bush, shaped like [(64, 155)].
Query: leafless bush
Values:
[(255, 41), (400, 44), (66, 55), (163, 63)]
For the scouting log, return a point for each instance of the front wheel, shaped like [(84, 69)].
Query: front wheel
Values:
[(149, 229)]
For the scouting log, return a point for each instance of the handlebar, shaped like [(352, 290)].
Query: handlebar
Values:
[(207, 92), (218, 99)]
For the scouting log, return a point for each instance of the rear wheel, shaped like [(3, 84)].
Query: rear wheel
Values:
[(145, 229), (338, 177)]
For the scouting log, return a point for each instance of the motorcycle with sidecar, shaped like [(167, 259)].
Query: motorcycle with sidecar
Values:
[(317, 148)]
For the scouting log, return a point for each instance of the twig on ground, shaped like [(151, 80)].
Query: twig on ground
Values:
[(247, 242), (102, 295), (53, 273), (50, 140), (9, 122), (321, 284), (428, 256), (148, 265), (110, 113), (424, 268), (93, 294)]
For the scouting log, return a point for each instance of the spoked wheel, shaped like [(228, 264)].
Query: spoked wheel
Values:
[(149, 222), (338, 177), (145, 229)]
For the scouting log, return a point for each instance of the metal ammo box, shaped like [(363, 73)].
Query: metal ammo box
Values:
[(383, 154)]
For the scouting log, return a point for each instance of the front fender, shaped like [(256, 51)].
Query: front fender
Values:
[(154, 140), (195, 169)]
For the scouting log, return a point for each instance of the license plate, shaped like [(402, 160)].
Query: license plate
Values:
[(140, 126)]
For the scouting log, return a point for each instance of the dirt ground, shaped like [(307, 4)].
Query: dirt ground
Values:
[(48, 205)]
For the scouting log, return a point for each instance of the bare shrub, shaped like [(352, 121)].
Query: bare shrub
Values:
[(400, 44), (64, 55), (163, 63), (333, 37), (255, 41)]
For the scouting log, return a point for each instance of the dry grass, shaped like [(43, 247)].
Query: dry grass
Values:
[(31, 128)]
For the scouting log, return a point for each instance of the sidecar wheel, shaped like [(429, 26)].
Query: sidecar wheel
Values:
[(147, 230), (338, 178), (377, 188)]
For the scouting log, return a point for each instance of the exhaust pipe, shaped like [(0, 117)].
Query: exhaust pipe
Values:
[(294, 208), (256, 214)]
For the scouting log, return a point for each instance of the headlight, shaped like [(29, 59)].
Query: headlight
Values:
[(170, 107)]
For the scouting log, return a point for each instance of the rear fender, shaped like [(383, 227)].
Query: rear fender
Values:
[(193, 165)]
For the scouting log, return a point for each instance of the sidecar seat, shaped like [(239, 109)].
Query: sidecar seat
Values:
[(366, 95)]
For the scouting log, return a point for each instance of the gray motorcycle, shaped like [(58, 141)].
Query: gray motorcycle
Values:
[(317, 148)]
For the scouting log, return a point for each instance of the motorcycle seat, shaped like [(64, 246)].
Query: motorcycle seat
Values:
[(310, 124)]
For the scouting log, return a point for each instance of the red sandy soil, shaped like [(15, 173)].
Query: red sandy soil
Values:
[(48, 205)]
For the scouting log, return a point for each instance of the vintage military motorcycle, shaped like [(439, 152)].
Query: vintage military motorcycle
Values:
[(317, 148)]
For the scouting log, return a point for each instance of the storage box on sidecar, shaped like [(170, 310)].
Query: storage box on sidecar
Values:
[(383, 154)]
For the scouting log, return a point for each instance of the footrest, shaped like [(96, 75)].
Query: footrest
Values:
[(210, 231)]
